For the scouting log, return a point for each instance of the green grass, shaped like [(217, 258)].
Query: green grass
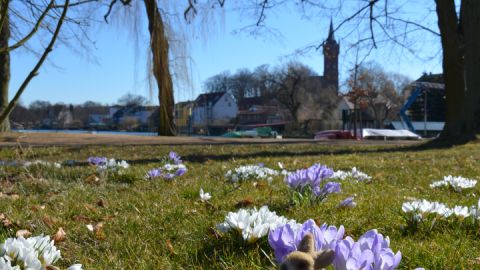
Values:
[(163, 225)]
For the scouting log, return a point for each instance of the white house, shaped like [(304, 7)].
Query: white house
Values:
[(214, 109)]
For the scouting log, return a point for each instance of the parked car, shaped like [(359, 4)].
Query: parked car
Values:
[(334, 135)]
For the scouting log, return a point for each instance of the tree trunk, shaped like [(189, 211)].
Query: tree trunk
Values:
[(159, 46), (470, 11), (4, 70), (455, 129)]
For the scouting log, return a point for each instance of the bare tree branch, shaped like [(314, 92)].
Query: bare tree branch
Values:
[(110, 7), (32, 32), (34, 71)]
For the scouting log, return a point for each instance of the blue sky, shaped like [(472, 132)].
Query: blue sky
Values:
[(119, 68)]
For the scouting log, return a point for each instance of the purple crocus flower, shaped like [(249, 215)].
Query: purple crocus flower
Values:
[(312, 176), (180, 171), (154, 173), (168, 176), (371, 251), (328, 188), (347, 203), (285, 239), (317, 173), (175, 158), (97, 161)]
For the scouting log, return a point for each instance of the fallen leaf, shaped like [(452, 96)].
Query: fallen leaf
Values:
[(259, 185), (90, 207), (92, 179), (59, 236), (99, 231), (170, 247), (49, 221), (108, 218), (99, 226), (244, 203), (81, 218), (5, 221), (23, 233), (37, 207)]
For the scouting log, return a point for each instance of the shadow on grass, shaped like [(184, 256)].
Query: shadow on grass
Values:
[(201, 158), (335, 149)]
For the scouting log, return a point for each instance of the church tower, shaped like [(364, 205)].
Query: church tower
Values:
[(331, 50)]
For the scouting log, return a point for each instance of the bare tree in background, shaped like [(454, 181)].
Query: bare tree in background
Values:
[(218, 83), (289, 84), (242, 84), (380, 91), (131, 100)]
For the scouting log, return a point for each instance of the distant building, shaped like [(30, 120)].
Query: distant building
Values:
[(214, 113), (329, 80), (320, 99), (352, 116), (102, 121), (427, 111), (183, 115), (261, 112)]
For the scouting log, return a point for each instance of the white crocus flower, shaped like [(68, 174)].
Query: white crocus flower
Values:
[(113, 165), (204, 196), (76, 266), (34, 253), (457, 183), (424, 208), (7, 265), (354, 174), (250, 172), (461, 211), (252, 224), (443, 211)]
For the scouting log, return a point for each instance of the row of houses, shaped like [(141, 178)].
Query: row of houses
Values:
[(124, 118), (216, 113)]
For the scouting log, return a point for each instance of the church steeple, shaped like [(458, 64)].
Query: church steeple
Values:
[(331, 49), (331, 35)]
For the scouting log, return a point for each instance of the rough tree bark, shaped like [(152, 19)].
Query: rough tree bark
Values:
[(470, 18), (461, 59), (159, 46), (453, 73), (4, 63)]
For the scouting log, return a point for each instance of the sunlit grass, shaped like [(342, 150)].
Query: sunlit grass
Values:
[(163, 225)]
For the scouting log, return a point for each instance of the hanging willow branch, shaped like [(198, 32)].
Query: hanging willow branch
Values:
[(34, 71)]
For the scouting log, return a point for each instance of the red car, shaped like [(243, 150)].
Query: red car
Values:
[(334, 135)]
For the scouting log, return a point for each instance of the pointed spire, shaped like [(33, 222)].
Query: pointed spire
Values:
[(330, 32)]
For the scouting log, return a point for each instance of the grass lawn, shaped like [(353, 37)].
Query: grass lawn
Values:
[(163, 225)]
